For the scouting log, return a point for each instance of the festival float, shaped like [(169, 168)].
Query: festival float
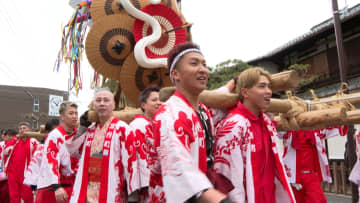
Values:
[(128, 42)]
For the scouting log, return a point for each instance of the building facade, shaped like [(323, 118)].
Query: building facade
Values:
[(31, 104), (317, 48)]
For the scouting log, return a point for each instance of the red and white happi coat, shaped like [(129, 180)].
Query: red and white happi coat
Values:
[(56, 161), (355, 172), (177, 155), (31, 144), (234, 144), (2, 173), (289, 155), (142, 130), (119, 173), (2, 157), (33, 171)]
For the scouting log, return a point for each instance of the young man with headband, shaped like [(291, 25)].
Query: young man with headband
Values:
[(246, 145), (178, 159)]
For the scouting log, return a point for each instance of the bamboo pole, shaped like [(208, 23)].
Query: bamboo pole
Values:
[(126, 116)]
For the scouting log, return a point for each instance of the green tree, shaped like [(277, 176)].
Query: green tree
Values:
[(225, 71)]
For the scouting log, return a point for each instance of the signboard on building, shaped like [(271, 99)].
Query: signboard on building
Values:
[(54, 104), (336, 147)]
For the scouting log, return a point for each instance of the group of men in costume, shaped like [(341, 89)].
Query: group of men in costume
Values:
[(174, 152)]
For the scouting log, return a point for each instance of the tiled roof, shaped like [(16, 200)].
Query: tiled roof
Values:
[(345, 15)]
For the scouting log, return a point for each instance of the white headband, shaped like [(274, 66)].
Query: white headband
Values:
[(177, 58)]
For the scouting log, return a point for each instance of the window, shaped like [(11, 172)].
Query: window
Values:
[(36, 106)]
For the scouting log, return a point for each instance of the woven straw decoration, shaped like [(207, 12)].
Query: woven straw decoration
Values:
[(101, 50), (101, 8), (134, 78)]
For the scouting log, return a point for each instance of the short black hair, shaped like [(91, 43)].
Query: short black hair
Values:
[(178, 49), (11, 132), (144, 95), (51, 124)]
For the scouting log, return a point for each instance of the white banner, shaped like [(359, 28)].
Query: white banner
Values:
[(54, 105)]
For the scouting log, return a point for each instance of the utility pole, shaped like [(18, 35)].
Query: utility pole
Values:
[(339, 42), (350, 153)]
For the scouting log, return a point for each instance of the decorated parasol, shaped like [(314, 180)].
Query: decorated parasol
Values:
[(134, 78), (173, 30), (101, 8), (108, 43)]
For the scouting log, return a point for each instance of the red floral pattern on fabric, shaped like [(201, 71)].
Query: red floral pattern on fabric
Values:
[(246, 142), (140, 143), (51, 155), (219, 151), (177, 135), (183, 127), (288, 171), (128, 139), (157, 199), (34, 144), (153, 161), (121, 196)]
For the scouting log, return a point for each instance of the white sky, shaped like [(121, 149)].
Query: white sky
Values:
[(30, 35)]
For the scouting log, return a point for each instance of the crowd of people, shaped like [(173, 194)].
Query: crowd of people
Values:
[(177, 151)]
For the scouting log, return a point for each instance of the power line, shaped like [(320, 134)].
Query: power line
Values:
[(8, 19), (16, 79)]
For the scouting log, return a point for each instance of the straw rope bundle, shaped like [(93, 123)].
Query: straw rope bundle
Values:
[(312, 120), (134, 78), (347, 103), (108, 43), (101, 8), (332, 112)]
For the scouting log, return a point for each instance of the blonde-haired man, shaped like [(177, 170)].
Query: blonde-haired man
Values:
[(246, 145)]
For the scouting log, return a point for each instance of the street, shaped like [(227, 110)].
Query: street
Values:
[(334, 198)]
